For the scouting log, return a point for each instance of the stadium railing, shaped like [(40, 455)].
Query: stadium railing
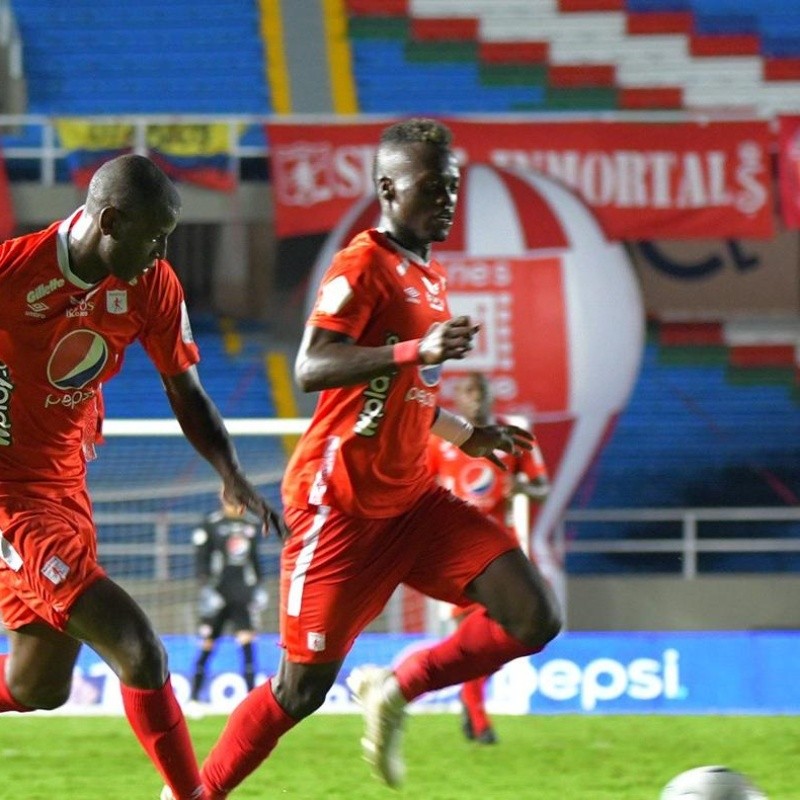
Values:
[(689, 545)]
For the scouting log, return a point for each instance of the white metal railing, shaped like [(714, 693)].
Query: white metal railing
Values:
[(690, 543)]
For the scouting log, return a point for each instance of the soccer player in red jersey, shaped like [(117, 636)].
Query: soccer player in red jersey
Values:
[(364, 509), (75, 295), (489, 488)]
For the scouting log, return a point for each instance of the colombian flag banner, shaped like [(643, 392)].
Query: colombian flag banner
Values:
[(198, 154), (89, 144), (192, 153)]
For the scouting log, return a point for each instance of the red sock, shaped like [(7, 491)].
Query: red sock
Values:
[(249, 736), (472, 698), (157, 721), (479, 646), (7, 700)]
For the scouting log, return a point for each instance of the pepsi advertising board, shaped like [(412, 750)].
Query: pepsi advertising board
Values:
[(581, 673)]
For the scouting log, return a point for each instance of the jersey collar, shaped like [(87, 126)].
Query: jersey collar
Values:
[(407, 254), (62, 248)]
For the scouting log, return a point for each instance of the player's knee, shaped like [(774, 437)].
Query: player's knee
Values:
[(45, 698), (143, 663), (541, 623), (300, 702)]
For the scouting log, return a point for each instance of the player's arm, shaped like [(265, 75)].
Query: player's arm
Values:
[(203, 426), (480, 441), (202, 555), (328, 359), (532, 478)]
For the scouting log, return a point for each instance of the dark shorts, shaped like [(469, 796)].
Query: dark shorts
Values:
[(236, 615)]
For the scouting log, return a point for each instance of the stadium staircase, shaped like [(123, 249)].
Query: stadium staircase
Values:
[(582, 55)]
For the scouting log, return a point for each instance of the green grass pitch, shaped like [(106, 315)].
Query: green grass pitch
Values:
[(569, 757)]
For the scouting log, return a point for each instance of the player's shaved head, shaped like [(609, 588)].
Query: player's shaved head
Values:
[(399, 141), (131, 182)]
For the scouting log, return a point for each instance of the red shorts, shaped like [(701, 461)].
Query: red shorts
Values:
[(338, 571), (48, 558)]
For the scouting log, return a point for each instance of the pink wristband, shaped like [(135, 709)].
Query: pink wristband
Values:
[(406, 352)]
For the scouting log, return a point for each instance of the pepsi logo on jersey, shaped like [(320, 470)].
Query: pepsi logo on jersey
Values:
[(77, 359), (478, 479)]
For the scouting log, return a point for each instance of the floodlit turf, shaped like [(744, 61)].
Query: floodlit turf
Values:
[(538, 758)]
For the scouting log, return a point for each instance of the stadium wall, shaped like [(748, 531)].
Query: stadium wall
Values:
[(589, 673), (732, 602)]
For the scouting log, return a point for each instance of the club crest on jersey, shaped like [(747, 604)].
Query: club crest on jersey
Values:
[(478, 479), (117, 301), (77, 359), (434, 293)]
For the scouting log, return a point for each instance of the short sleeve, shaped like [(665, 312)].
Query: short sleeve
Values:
[(167, 336), (348, 293)]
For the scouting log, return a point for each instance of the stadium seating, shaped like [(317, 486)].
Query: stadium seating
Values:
[(145, 57), (237, 383), (716, 408), (507, 55)]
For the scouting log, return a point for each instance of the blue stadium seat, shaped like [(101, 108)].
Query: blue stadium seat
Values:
[(711, 453), (388, 83), (145, 57)]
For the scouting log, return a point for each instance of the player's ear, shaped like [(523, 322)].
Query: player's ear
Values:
[(109, 220), (386, 188)]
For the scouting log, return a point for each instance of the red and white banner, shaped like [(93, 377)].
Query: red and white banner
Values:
[(789, 170), (643, 180)]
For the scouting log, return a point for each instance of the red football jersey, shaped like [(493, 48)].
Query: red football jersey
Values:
[(479, 481), (60, 339), (365, 450)]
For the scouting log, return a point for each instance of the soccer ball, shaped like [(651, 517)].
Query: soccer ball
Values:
[(711, 783)]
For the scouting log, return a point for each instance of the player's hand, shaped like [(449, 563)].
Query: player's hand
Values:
[(536, 490), (260, 598), (209, 601), (486, 439), (237, 489), (446, 340)]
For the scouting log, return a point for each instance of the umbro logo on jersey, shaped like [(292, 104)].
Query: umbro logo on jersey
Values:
[(402, 267), (412, 294), (37, 310)]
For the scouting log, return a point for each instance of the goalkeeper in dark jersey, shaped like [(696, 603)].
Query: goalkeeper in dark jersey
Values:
[(231, 592)]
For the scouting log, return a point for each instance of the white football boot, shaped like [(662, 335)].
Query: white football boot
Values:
[(376, 690)]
